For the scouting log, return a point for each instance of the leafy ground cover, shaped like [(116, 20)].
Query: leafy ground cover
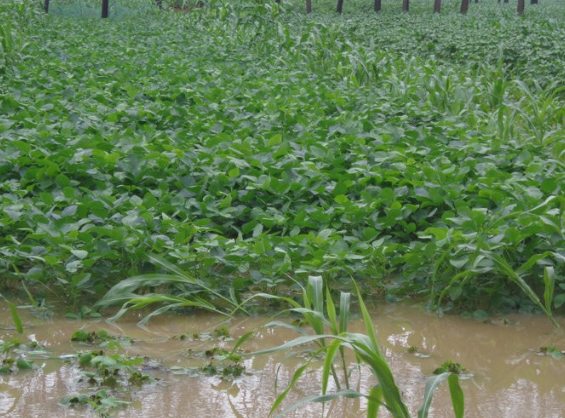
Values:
[(249, 143)]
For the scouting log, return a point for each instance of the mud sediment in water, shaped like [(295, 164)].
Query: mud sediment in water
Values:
[(509, 376)]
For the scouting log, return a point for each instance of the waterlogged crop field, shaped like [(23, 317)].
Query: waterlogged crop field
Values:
[(250, 144)]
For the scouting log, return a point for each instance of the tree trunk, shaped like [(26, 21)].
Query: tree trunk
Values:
[(46, 6), (277, 1), (437, 6), (378, 5), (405, 5), (534, 2), (464, 6), (505, 1), (521, 6), (308, 6), (105, 7), (339, 8), (159, 3)]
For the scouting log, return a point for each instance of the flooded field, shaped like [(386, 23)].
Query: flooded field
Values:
[(509, 377)]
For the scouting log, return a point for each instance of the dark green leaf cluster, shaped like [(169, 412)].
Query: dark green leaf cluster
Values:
[(249, 143), (99, 338), (15, 355), (110, 378)]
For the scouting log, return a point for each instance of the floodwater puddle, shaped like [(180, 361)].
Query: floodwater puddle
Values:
[(509, 377)]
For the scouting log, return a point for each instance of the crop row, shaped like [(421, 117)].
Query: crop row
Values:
[(251, 144)]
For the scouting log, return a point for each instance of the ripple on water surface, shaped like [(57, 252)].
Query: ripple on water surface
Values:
[(509, 378)]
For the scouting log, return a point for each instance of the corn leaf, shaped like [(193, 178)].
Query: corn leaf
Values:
[(457, 396), (15, 318), (431, 385), (374, 401)]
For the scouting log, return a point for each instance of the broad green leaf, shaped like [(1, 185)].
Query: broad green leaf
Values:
[(23, 364)]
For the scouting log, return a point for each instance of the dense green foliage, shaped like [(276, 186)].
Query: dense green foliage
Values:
[(248, 142)]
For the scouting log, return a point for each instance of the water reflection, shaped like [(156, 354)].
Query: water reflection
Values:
[(509, 378)]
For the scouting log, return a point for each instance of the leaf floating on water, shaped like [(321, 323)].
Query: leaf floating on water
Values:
[(552, 351), (23, 364)]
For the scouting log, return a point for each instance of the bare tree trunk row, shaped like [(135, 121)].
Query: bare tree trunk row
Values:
[(339, 8), (377, 5), (464, 6), (521, 5), (105, 8)]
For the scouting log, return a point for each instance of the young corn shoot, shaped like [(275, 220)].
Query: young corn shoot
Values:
[(366, 349)]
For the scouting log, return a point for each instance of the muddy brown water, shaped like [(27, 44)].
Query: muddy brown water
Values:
[(509, 378)]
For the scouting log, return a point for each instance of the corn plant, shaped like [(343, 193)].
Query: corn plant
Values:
[(15, 317), (541, 111), (516, 276), (332, 338), (314, 315), (279, 144), (186, 292)]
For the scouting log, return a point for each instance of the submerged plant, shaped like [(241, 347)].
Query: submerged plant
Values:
[(10, 365), (551, 350), (449, 367), (221, 362), (99, 338), (17, 356), (101, 401), (110, 377), (367, 351)]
